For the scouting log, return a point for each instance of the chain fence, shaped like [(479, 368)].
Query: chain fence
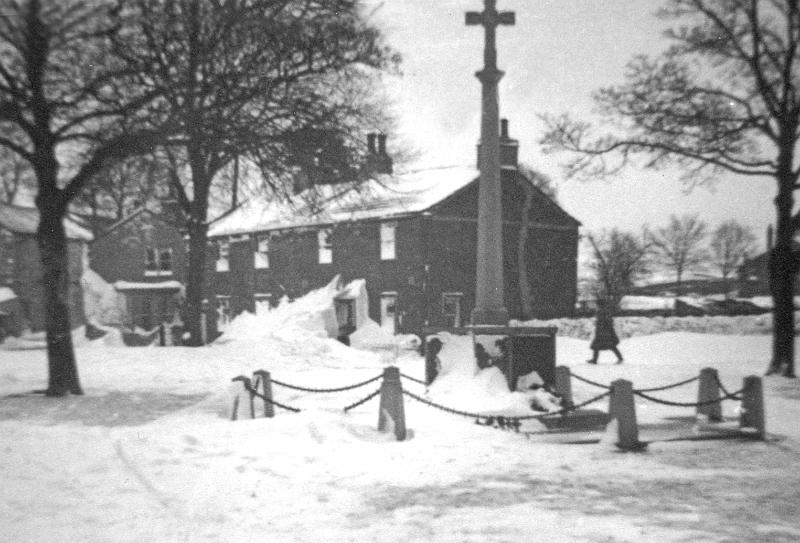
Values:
[(734, 396), (590, 382), (654, 389), (325, 390), (667, 387), (502, 421), (254, 392), (362, 401), (414, 379), (482, 416), (725, 390)]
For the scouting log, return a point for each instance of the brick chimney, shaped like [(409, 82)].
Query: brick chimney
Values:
[(509, 148), (378, 160)]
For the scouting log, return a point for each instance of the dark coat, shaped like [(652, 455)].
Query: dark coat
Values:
[(604, 335)]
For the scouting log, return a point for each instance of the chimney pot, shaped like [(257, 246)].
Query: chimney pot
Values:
[(504, 129), (381, 144), (770, 235), (371, 143)]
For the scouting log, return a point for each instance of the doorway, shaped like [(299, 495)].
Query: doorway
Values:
[(389, 312)]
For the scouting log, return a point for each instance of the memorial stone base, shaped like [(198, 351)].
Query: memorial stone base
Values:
[(516, 351)]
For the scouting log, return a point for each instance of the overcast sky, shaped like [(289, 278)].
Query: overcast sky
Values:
[(556, 55)]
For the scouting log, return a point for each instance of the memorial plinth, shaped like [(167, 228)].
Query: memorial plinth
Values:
[(514, 350)]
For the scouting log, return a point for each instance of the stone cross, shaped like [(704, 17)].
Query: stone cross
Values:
[(490, 18), (489, 291)]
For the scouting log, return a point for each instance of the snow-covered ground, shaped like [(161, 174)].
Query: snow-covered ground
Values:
[(148, 453)]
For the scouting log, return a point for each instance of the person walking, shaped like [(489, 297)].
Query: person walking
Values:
[(605, 338)]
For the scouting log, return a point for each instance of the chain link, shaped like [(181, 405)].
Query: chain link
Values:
[(480, 416), (654, 389), (362, 401), (667, 387), (421, 382), (590, 382), (689, 404), (254, 392), (323, 390), (725, 391)]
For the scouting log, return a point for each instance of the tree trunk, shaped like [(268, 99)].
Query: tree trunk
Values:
[(782, 271), (52, 242), (195, 278)]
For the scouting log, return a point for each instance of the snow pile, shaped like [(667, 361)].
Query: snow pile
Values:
[(38, 340), (356, 291), (370, 336), (583, 328), (460, 384), (102, 304), (647, 303), (6, 294), (766, 302), (151, 435), (312, 314)]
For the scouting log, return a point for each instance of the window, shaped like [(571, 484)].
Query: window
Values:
[(151, 261), (263, 302), (165, 261), (387, 240), (261, 256), (224, 248), (158, 262), (325, 246), (451, 307)]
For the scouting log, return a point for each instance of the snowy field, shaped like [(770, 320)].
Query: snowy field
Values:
[(149, 455)]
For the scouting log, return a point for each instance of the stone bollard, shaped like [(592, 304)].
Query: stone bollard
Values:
[(162, 335), (243, 403), (708, 391), (564, 385), (391, 417), (266, 390), (752, 410), (622, 409)]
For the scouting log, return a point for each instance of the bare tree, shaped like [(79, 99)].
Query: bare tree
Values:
[(122, 186), (66, 109), (680, 246), (541, 181), (618, 260), (254, 79), (723, 97), (15, 175), (730, 244)]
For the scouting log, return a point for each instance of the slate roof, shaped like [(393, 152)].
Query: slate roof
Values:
[(386, 197)]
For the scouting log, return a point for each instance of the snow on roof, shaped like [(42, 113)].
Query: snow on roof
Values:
[(25, 220), (6, 294), (164, 285), (385, 197)]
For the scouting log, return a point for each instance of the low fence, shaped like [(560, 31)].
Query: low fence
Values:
[(621, 407)]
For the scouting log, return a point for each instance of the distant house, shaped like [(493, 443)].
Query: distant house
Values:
[(143, 256), (411, 236), (754, 276), (20, 266), (754, 272)]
